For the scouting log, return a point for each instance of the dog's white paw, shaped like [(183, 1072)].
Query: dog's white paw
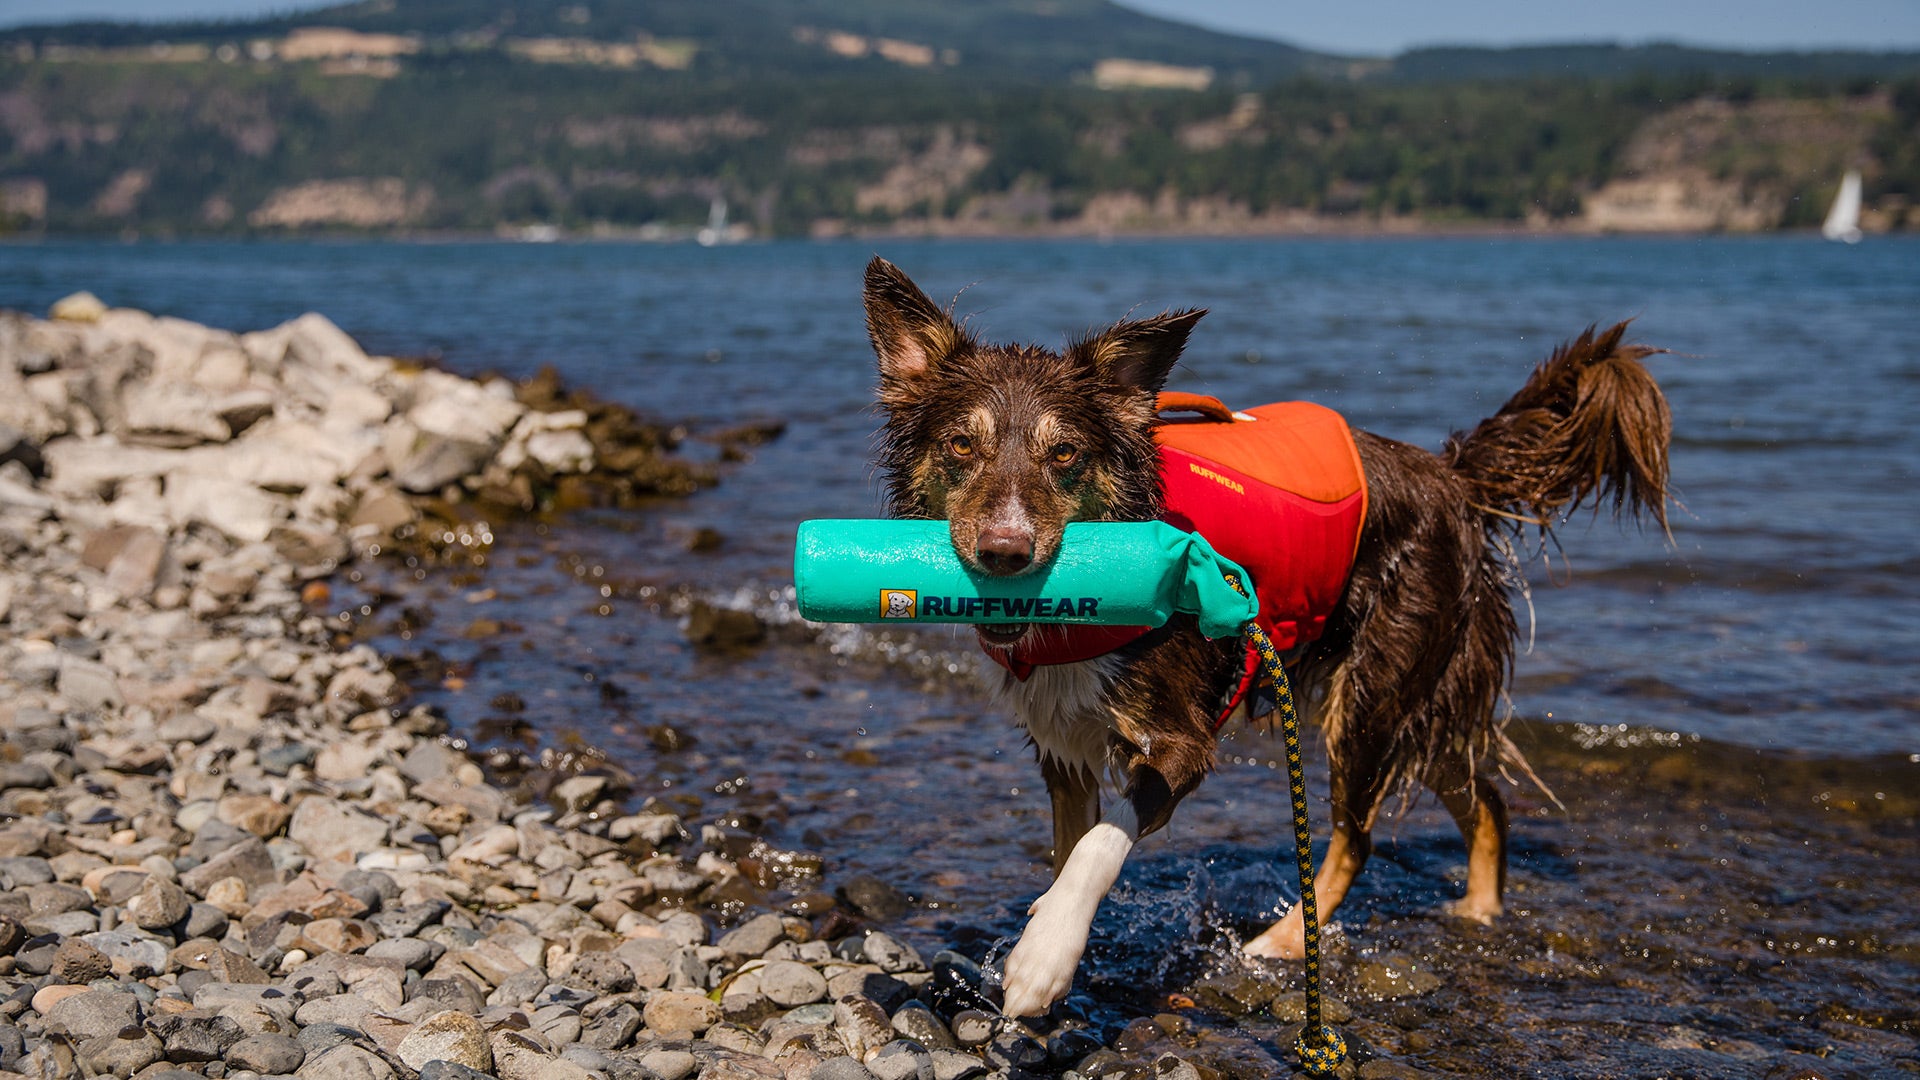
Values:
[(1040, 968)]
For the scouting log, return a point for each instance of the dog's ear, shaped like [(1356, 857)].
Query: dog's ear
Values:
[(911, 334), (1139, 354)]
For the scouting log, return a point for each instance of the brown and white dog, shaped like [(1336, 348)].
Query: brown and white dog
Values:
[(1009, 443)]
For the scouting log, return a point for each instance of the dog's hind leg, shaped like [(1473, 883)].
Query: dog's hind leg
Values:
[(1347, 853), (1481, 814), (1075, 794)]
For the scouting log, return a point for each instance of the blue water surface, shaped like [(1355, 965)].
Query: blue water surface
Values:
[(1781, 616)]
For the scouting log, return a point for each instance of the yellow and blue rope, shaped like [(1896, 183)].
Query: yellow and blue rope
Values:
[(1320, 1047)]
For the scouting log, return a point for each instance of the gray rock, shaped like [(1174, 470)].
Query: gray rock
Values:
[(316, 1038), (89, 684), (159, 905), (204, 921), (754, 937), (247, 860), (448, 1036), (190, 1037), (269, 1053), (861, 1024), (123, 1053), (449, 1070), (413, 952), (345, 1062), (669, 1064), (66, 924), (20, 871), (901, 1059), (221, 996), (129, 953), (334, 830), (840, 1068), (891, 954), (612, 1028), (957, 1065), (454, 992), (601, 972), (789, 984), (94, 1013)]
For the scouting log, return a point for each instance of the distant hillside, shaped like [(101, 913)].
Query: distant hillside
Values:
[(1608, 61), (824, 117), (1040, 39)]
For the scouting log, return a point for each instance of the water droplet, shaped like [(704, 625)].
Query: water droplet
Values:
[(859, 731)]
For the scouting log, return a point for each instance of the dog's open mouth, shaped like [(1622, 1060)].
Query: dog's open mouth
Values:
[(1001, 635)]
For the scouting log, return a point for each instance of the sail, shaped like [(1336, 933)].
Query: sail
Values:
[(1843, 220)]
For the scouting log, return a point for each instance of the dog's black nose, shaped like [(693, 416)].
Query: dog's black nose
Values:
[(1004, 551)]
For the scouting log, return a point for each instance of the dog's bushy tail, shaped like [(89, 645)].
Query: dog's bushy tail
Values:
[(1591, 422)]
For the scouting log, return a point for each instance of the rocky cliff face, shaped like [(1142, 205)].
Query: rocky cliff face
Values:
[(1720, 166)]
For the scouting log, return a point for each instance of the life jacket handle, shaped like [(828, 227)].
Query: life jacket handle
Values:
[(1204, 404)]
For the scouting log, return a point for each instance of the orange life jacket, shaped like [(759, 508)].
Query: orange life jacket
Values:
[(1278, 489)]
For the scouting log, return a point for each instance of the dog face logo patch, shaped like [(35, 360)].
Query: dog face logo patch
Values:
[(899, 603)]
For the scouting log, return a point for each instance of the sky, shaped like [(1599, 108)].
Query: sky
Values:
[(1359, 27)]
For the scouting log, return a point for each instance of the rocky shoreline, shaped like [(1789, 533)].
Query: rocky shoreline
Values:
[(229, 849)]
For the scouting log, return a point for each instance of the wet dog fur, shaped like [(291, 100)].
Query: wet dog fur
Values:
[(1009, 443)]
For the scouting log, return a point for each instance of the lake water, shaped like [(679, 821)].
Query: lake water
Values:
[(1761, 665)]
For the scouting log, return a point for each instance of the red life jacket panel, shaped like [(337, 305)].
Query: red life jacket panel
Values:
[(1278, 489)]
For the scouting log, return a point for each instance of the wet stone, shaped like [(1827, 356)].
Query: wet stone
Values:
[(873, 898), (972, 1028), (916, 1022), (754, 937), (1014, 1050), (901, 1059), (891, 954)]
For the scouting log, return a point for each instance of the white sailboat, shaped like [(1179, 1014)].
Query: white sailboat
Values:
[(715, 231), (1843, 220)]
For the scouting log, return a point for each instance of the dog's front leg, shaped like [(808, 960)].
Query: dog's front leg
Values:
[(1040, 968)]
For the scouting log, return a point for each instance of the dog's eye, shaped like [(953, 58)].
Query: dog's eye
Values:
[(960, 446), (1065, 454)]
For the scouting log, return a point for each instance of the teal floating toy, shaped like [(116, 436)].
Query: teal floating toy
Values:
[(1106, 573)]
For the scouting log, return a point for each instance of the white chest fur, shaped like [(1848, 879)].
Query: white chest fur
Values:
[(1064, 709)]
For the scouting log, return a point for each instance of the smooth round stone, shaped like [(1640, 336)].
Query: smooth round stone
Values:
[(448, 1036), (669, 1064), (788, 984), (840, 1068), (268, 1053), (123, 1053), (901, 1059), (413, 952)]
